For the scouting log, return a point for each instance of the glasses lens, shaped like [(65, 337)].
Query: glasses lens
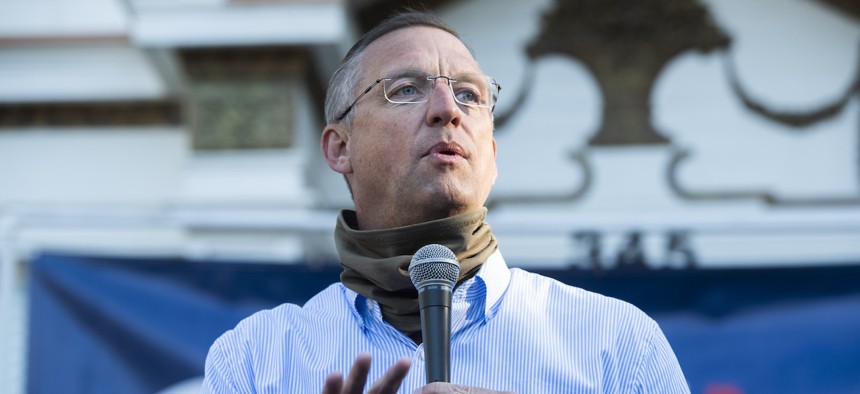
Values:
[(407, 89), (474, 90)]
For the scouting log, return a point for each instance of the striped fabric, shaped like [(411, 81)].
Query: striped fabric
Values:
[(511, 330)]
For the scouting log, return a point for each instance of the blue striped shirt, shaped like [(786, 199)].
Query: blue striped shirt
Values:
[(510, 330)]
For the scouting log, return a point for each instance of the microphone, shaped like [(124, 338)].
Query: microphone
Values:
[(434, 271)]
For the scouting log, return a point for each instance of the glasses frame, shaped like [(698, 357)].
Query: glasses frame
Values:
[(429, 78)]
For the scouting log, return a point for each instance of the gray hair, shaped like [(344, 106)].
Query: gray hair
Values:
[(343, 85)]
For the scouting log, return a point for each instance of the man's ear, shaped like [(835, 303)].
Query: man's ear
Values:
[(335, 148), (495, 164)]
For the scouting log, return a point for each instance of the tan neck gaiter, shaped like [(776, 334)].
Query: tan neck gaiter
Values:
[(376, 262)]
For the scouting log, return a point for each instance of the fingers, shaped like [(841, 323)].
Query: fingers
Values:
[(390, 382), (357, 375), (333, 383)]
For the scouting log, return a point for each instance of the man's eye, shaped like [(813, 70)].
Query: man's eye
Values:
[(468, 97), (407, 91)]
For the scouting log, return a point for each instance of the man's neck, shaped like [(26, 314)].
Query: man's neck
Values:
[(389, 220)]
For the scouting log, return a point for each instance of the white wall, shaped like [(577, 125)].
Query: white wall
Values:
[(119, 166), (799, 58)]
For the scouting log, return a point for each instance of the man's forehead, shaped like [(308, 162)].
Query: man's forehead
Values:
[(419, 48)]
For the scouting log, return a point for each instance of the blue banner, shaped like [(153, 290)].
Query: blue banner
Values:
[(128, 325)]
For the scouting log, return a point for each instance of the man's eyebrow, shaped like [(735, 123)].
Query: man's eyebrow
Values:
[(408, 72), (414, 72)]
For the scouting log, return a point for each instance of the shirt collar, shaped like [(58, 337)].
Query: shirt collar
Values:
[(491, 281), (495, 276)]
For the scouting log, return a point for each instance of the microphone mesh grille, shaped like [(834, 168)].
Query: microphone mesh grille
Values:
[(434, 262)]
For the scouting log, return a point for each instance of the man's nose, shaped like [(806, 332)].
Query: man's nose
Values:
[(443, 109)]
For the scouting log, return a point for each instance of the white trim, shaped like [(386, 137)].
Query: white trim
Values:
[(11, 367), (299, 24)]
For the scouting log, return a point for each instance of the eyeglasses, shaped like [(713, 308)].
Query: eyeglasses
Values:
[(471, 90)]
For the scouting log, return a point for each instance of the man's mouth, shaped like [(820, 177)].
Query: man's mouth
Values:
[(447, 149)]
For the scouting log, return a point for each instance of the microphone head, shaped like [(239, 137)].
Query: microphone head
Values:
[(434, 264)]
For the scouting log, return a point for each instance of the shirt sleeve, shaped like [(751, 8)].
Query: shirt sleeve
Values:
[(659, 371), (218, 375)]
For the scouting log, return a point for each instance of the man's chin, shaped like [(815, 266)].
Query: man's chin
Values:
[(446, 204)]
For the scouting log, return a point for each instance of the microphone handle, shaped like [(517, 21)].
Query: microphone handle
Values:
[(435, 302)]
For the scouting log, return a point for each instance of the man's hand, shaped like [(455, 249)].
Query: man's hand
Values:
[(448, 388), (387, 384), (390, 382)]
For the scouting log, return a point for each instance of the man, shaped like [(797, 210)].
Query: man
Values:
[(410, 127)]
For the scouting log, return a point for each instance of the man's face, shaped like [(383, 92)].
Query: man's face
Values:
[(409, 163)]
